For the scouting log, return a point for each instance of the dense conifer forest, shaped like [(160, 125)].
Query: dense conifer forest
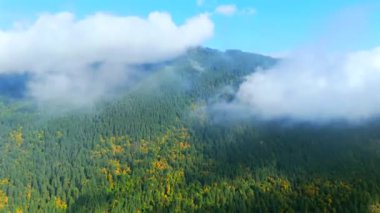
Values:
[(164, 145)]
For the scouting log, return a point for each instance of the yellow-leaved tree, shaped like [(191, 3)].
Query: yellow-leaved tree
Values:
[(59, 203), (3, 200), (17, 137)]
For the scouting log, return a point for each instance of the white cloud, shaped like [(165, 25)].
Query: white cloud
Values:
[(58, 50), (317, 87), (227, 10)]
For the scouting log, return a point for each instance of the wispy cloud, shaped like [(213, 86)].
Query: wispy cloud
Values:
[(231, 9), (227, 10)]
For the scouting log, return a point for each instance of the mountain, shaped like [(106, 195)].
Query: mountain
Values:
[(158, 148)]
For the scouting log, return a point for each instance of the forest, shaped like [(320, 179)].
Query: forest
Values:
[(164, 146)]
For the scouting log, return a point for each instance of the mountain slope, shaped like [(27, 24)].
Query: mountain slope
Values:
[(146, 151)]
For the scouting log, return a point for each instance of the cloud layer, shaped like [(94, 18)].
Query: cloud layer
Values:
[(311, 86), (78, 61)]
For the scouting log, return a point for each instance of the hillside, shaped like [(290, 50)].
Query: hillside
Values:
[(161, 147)]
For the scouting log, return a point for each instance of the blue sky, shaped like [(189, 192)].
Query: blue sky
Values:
[(276, 26)]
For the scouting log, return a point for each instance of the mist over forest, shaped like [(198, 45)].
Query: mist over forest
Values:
[(108, 112)]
